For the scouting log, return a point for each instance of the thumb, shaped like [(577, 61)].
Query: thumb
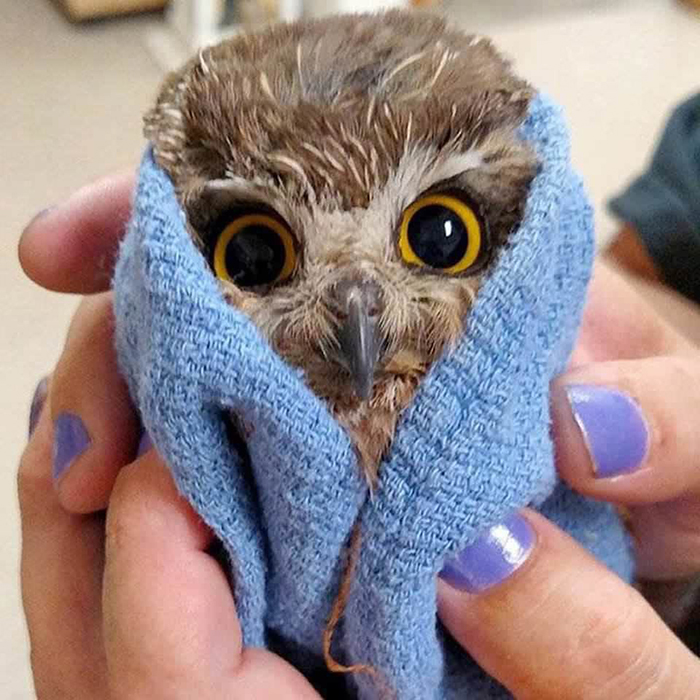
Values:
[(171, 628), (548, 621)]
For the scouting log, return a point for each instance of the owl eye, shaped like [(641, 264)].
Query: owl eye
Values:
[(442, 232), (253, 250)]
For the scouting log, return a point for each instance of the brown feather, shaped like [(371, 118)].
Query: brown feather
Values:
[(338, 125)]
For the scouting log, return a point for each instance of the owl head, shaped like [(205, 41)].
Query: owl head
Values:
[(350, 181)]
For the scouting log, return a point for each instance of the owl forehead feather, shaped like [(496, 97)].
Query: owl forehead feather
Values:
[(328, 109)]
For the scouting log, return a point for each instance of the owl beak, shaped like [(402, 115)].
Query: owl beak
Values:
[(360, 339)]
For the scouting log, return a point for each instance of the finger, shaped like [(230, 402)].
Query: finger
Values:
[(622, 434), (96, 429), (170, 622), (61, 575), (72, 247), (622, 431), (561, 626), (619, 324)]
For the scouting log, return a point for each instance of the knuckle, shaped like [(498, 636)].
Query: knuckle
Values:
[(92, 327), (675, 374), (121, 507), (33, 485), (617, 648), (126, 509), (605, 627)]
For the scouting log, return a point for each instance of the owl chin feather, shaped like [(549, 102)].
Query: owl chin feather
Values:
[(371, 422)]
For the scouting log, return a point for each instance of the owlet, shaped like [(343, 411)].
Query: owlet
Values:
[(351, 181)]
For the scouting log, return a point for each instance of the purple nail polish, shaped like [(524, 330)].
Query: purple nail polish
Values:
[(71, 439), (492, 557), (613, 428), (145, 444), (38, 401)]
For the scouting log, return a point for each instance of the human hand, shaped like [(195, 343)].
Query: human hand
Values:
[(624, 345), (533, 608), (131, 604), (85, 487), (634, 390), (550, 622)]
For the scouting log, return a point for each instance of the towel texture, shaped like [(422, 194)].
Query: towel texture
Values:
[(473, 446)]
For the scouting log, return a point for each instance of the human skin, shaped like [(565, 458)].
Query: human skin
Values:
[(131, 604)]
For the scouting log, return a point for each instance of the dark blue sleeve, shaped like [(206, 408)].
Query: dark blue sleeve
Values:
[(663, 204)]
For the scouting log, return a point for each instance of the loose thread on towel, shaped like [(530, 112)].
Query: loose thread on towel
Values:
[(338, 609)]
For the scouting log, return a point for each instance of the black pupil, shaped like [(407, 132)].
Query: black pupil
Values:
[(438, 236), (255, 255)]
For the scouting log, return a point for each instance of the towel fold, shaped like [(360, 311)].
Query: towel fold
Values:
[(473, 446)]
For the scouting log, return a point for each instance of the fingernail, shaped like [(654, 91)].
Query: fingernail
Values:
[(38, 401), (71, 439), (38, 216), (493, 557), (613, 428), (145, 444)]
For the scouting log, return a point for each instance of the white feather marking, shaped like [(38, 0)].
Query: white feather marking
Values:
[(265, 85), (370, 109), (202, 63), (475, 40), (312, 149), (380, 140), (443, 62), (326, 177), (356, 142), (401, 66), (390, 119), (292, 164), (336, 144), (173, 113), (355, 172), (302, 87), (374, 160), (456, 164), (336, 164)]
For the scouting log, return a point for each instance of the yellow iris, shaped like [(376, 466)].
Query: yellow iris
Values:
[(442, 232), (254, 249)]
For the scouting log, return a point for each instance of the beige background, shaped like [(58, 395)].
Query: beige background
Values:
[(70, 105)]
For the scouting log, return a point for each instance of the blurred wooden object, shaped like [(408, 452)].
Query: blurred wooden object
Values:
[(627, 250), (79, 10)]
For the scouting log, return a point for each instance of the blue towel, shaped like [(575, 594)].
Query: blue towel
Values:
[(473, 445)]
